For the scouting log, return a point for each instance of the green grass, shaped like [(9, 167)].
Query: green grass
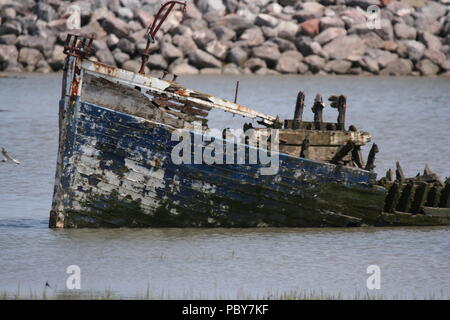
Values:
[(294, 294)]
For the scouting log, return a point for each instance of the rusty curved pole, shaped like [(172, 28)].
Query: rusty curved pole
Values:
[(154, 27)]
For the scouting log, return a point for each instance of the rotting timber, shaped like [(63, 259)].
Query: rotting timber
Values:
[(114, 166)]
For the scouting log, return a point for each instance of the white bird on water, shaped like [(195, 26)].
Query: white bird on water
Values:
[(7, 157)]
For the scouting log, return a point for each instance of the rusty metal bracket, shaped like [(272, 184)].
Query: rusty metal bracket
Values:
[(155, 26), (79, 46)]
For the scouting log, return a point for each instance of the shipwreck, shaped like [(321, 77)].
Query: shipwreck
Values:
[(115, 166)]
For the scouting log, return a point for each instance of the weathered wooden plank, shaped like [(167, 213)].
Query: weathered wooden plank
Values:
[(420, 197), (324, 138), (319, 153)]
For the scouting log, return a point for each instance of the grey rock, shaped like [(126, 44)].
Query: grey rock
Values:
[(370, 64), (446, 65), (329, 34), (8, 13), (11, 27), (236, 23), (253, 36), (30, 57), (8, 39), (427, 68), (237, 55), (400, 8), (435, 56), (157, 61), (414, 49), (218, 49), (338, 66), (255, 63), (346, 47), (202, 59), (224, 33), (432, 10), (112, 41), (231, 69), (287, 30), (315, 63), (183, 68), (45, 11), (57, 59), (403, 31), (289, 62), (184, 43), (331, 22), (43, 67), (8, 53), (105, 56), (266, 20), (372, 40), (425, 25), (111, 24), (267, 52), (303, 44), (193, 12), (211, 5), (382, 57), (430, 40), (125, 13), (134, 66), (120, 57), (283, 44), (269, 32), (400, 67), (132, 4), (170, 52), (303, 68), (363, 4), (203, 37), (126, 46)]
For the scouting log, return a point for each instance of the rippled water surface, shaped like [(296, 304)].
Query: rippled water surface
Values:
[(409, 119)]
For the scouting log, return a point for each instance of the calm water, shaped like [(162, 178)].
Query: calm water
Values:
[(408, 118)]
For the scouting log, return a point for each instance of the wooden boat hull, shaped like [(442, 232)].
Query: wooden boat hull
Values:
[(117, 172)]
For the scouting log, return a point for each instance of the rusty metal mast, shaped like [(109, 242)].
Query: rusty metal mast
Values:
[(154, 27)]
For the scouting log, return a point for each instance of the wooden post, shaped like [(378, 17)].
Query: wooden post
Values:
[(342, 152), (318, 111), (304, 153), (340, 103), (299, 106), (434, 195), (420, 197), (371, 158), (392, 197), (445, 196), (404, 203), (356, 152), (399, 175)]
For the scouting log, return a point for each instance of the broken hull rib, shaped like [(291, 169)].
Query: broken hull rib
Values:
[(117, 172)]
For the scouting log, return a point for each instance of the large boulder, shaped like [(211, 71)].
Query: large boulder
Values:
[(289, 62), (267, 52), (202, 59), (331, 22), (184, 43), (430, 40), (253, 36), (170, 52), (400, 67), (30, 57), (157, 61), (315, 63), (254, 64), (346, 47), (237, 55), (435, 56), (403, 31), (8, 53), (218, 49), (414, 49), (203, 37), (112, 24), (223, 33), (211, 5), (338, 66), (329, 34), (183, 68), (287, 30), (427, 68), (266, 20)]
